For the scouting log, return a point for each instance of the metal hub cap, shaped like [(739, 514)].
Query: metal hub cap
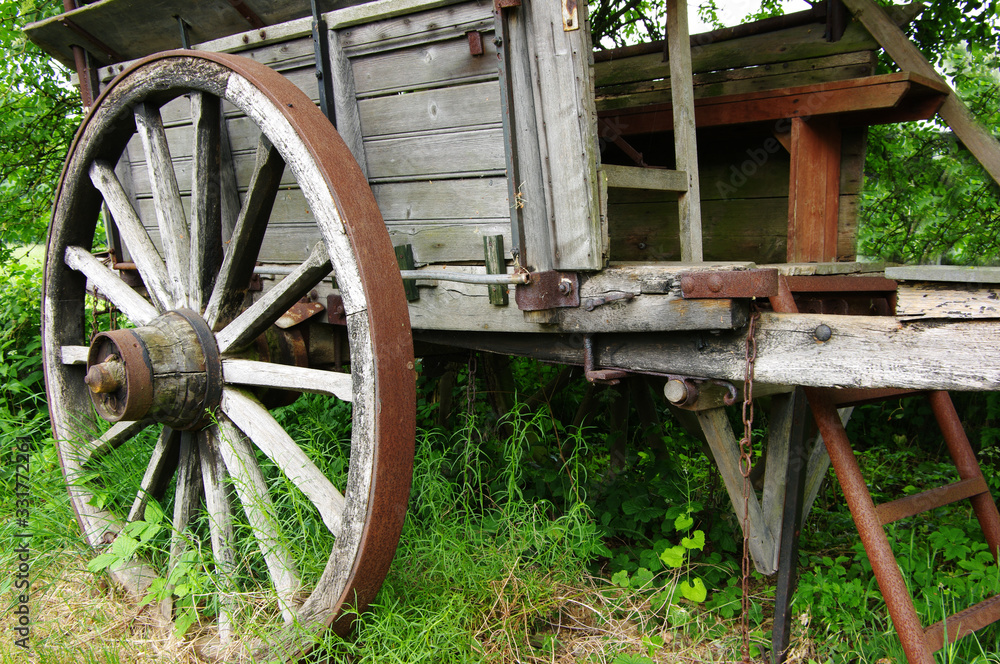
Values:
[(169, 371)]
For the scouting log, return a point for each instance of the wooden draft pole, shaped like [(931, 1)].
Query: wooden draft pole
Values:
[(980, 142), (685, 141)]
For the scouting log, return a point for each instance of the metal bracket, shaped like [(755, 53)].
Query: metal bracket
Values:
[(335, 313), (761, 282), (298, 314), (600, 376), (548, 290), (683, 391)]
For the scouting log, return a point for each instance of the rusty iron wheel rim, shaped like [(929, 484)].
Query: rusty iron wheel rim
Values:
[(349, 221)]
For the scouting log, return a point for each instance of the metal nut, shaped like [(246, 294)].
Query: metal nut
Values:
[(565, 287)]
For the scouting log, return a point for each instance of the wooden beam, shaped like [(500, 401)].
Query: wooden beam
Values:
[(814, 190), (976, 138), (633, 177), (873, 100), (863, 351), (685, 140)]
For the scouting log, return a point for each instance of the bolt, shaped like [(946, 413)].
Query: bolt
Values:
[(715, 283), (106, 377), (676, 391), (565, 287), (822, 333)]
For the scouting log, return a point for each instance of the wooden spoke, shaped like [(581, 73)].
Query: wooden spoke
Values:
[(133, 234), (186, 499), (283, 376), (261, 315), (252, 491), (169, 209), (244, 246), (111, 439), (220, 522), (74, 354), (157, 474), (230, 192), (110, 285), (260, 427), (206, 201)]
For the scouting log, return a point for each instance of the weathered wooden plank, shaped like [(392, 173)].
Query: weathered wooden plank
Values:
[(170, 216), (110, 285), (494, 252), (725, 449), (742, 80), (135, 237), (564, 98), (881, 99), (956, 273), (252, 322), (345, 103), (431, 110), (206, 207), (220, 526), (155, 477), (251, 488), (438, 200), (302, 379), (630, 177), (454, 306), (947, 300), (268, 436), (130, 33), (685, 140), (792, 44), (449, 242), (974, 136), (864, 351), (234, 275), (424, 66), (425, 25), (436, 154)]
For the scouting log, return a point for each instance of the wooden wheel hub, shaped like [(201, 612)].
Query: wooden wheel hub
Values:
[(169, 371)]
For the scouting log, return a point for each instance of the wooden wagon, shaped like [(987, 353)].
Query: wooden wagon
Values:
[(285, 190)]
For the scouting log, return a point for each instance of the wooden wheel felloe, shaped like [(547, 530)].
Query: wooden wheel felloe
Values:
[(177, 385)]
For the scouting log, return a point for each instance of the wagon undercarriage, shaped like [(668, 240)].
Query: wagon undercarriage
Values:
[(657, 210)]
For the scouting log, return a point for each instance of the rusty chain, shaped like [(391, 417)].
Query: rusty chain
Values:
[(746, 463)]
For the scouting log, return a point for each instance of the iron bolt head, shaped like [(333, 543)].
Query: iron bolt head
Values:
[(565, 287), (822, 333)]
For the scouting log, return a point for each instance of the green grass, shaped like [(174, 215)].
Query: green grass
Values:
[(526, 539)]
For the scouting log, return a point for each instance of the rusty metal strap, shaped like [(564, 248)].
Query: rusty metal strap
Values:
[(762, 282), (548, 290)]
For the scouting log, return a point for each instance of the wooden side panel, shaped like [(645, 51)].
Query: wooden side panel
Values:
[(567, 125)]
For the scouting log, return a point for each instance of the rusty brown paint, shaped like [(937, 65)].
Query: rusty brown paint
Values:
[(729, 284)]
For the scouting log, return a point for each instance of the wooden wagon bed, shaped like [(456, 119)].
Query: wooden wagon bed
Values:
[(648, 202)]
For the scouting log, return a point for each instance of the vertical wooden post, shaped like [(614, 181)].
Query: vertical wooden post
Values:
[(685, 141), (404, 258), (493, 246), (814, 191)]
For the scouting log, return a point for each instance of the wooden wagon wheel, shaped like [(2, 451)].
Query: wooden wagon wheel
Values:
[(180, 369)]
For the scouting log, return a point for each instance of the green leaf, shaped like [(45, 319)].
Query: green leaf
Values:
[(696, 592), (620, 578), (102, 562), (673, 557), (683, 522), (697, 541), (153, 513)]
